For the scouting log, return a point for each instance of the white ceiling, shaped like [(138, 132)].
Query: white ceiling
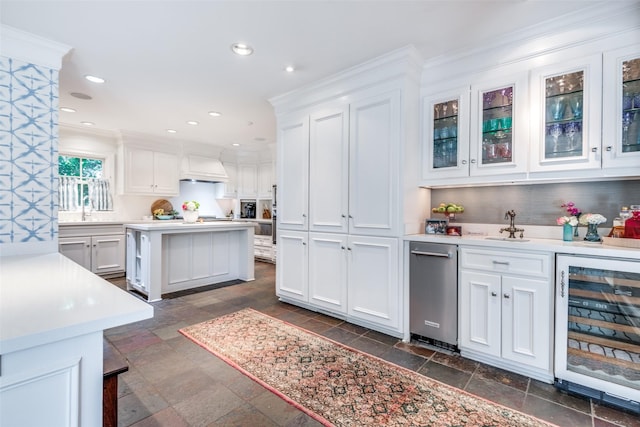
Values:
[(166, 62)]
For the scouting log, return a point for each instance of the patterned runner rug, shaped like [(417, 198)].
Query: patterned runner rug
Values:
[(338, 385)]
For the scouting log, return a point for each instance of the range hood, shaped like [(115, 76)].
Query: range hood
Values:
[(205, 169)]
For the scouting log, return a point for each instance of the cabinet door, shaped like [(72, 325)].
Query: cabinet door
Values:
[(230, 187), (329, 170), (293, 173), (480, 307), (526, 321), (374, 172), (107, 254), (621, 101), (139, 171), (445, 128), (166, 174), (77, 249), (374, 293), (565, 115), (265, 180), (328, 271), (499, 126), (292, 268), (248, 181)]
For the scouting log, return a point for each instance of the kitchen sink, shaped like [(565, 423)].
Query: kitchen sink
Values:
[(506, 239)]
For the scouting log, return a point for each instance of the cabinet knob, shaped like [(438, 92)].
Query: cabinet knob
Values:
[(304, 215), (343, 248), (594, 149), (609, 148), (506, 296), (493, 294), (344, 216), (351, 216), (464, 162), (304, 243), (473, 160), (348, 248)]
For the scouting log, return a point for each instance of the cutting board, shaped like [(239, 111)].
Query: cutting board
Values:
[(161, 204)]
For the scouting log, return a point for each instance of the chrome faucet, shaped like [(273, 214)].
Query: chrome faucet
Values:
[(512, 228)]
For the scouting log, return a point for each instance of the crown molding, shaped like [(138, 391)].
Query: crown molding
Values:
[(32, 49)]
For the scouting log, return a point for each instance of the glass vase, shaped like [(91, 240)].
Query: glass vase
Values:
[(567, 232), (592, 233)]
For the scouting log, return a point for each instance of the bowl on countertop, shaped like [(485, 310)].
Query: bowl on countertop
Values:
[(164, 216)]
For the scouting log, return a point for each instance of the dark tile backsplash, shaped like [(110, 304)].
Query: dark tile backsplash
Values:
[(538, 204)]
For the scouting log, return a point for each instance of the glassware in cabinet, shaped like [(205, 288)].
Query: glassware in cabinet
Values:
[(497, 126), (566, 116), (445, 128), (564, 102), (630, 124)]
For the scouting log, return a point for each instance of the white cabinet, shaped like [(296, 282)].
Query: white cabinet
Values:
[(247, 180), (101, 253), (230, 187), (292, 276), (263, 248), (145, 171), (374, 292), (329, 169), (328, 271), (476, 135), (506, 316), (621, 101), (293, 173), (566, 100), (265, 180)]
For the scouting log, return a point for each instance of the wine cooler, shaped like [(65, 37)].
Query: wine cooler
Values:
[(598, 329)]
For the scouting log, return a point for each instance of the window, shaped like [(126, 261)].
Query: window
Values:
[(81, 184)]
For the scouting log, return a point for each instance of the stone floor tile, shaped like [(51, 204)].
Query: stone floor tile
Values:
[(455, 361), (501, 376), (139, 340), (171, 331), (356, 329), (340, 335), (278, 410), (427, 353), (403, 358), (368, 345), (616, 416), (167, 417), (134, 407), (244, 416), (553, 394), (445, 374), (383, 338), (208, 406), (183, 384), (496, 392), (554, 413), (315, 325)]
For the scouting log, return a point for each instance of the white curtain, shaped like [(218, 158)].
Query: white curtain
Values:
[(99, 193)]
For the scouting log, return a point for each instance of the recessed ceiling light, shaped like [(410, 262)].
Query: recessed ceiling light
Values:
[(80, 95), (192, 122), (87, 123), (214, 114), (242, 49), (172, 131), (94, 79), (235, 144), (289, 69), (67, 110)]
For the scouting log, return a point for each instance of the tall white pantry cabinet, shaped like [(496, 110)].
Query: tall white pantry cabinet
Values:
[(346, 168)]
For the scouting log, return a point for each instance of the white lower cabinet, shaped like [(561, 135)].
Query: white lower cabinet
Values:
[(506, 316), (100, 254), (352, 277)]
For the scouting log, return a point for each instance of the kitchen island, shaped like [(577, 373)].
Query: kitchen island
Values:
[(52, 316), (168, 256)]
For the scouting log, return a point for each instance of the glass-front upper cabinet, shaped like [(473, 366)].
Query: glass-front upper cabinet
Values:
[(446, 135), (499, 126), (621, 103), (565, 108)]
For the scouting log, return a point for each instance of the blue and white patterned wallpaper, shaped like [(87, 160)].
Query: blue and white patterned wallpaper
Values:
[(28, 154)]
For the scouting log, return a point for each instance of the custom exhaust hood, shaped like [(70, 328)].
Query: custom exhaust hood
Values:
[(205, 169)]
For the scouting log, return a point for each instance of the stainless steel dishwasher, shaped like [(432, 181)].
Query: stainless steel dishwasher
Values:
[(433, 293)]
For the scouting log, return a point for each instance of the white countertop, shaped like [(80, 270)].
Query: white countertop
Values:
[(46, 298), (181, 226), (577, 247)]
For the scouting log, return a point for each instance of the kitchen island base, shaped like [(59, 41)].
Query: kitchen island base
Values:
[(166, 258)]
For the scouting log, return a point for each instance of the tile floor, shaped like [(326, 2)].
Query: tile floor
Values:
[(173, 382)]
